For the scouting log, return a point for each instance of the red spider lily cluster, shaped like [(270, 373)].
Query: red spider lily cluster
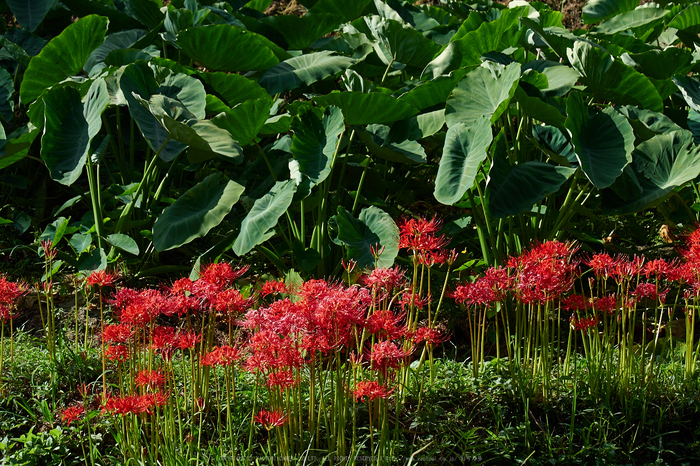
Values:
[(419, 236), (10, 292), (71, 414), (275, 339)]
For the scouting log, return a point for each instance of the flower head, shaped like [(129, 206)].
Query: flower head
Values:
[(72, 414), (370, 390), (270, 419)]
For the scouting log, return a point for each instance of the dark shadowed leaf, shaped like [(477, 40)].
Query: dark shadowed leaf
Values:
[(196, 212), (374, 229), (304, 69), (63, 56)]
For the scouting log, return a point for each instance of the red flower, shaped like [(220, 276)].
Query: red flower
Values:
[(575, 302), (231, 302), (150, 378), (418, 235), (385, 355), (606, 304), (384, 324), (283, 379), (371, 390), (384, 278), (101, 278), (583, 323), (72, 414), (222, 356), (273, 287), (119, 353), (10, 292), (429, 335), (270, 419), (117, 333)]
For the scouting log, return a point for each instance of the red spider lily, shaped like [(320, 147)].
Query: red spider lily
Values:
[(607, 304), (270, 419), (221, 356), (71, 414), (101, 278), (141, 307), (150, 378), (544, 272), (273, 287), (658, 268), (134, 404), (371, 390), (271, 351), (186, 340), (602, 264), (418, 235), (214, 279), (627, 269), (385, 355), (349, 266), (282, 379), (575, 302), (384, 279), (180, 304), (490, 288), (384, 324), (10, 292), (430, 258), (414, 300), (231, 302), (429, 335), (120, 333), (648, 290), (583, 323), (183, 286), (119, 353)]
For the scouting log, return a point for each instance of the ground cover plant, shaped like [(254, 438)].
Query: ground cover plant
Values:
[(352, 232)]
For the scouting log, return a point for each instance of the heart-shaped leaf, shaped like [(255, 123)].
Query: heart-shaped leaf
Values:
[(263, 216), (375, 229), (603, 143), (63, 56), (196, 212), (465, 148), (30, 14), (123, 242), (304, 69), (480, 93), (385, 109)]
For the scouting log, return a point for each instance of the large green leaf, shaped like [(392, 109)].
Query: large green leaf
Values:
[(63, 56), (690, 89), (535, 107), (687, 18), (631, 19), (138, 80), (16, 145), (7, 89), (263, 216), (245, 120), (429, 93), (227, 48), (599, 10), (611, 80), (196, 212), (118, 240), (304, 69), (511, 190), (560, 78), (375, 229), (494, 36), (314, 143), (356, 106), (481, 93), (234, 89), (69, 128), (397, 42), (603, 143), (660, 64), (30, 14), (116, 41), (301, 32), (465, 148), (380, 142), (183, 126), (661, 163), (348, 11)]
